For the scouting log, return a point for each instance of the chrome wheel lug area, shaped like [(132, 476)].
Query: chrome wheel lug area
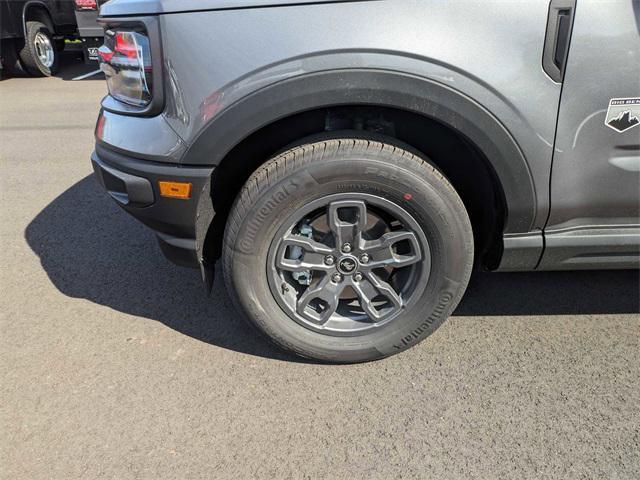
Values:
[(358, 277), (336, 278), (347, 248), (329, 260), (364, 258)]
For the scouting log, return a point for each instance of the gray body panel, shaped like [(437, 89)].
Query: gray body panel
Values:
[(273, 44), (596, 170), (154, 7), (595, 182), (232, 67)]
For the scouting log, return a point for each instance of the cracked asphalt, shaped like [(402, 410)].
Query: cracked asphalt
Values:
[(114, 364)]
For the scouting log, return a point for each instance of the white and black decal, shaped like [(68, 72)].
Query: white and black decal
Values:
[(623, 114)]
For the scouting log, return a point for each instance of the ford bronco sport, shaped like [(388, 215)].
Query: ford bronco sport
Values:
[(350, 162)]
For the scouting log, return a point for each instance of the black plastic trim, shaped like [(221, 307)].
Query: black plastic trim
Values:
[(558, 38), (181, 251), (174, 220), (24, 14), (380, 88), (124, 188), (521, 252)]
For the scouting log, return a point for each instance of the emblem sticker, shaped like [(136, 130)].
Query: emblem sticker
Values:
[(623, 114)]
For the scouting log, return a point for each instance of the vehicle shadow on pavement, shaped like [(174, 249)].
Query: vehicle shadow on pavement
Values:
[(91, 249)]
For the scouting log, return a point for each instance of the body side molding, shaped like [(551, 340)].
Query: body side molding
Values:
[(587, 248)]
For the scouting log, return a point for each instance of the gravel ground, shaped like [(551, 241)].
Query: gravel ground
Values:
[(115, 364)]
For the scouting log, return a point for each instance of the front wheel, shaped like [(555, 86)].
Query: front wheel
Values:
[(347, 250)]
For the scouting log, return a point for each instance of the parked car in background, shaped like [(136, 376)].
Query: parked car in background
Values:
[(89, 31), (350, 162), (32, 33)]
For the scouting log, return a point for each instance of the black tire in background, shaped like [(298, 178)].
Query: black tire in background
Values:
[(330, 169), (39, 56), (10, 62)]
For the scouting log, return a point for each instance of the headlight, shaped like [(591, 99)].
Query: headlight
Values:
[(125, 59)]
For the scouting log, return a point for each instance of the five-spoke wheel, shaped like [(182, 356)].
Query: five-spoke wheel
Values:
[(346, 263), (347, 250)]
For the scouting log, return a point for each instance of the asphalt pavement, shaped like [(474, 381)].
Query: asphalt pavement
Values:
[(115, 364)]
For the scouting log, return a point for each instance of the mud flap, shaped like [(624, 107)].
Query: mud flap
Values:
[(208, 275), (204, 218)]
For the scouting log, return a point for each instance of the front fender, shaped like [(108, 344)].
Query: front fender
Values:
[(384, 88)]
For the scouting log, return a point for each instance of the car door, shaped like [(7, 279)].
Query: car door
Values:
[(595, 181)]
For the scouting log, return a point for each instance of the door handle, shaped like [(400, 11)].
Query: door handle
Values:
[(557, 38)]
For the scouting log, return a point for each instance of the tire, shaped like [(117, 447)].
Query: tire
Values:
[(39, 56), (10, 63), (353, 182)]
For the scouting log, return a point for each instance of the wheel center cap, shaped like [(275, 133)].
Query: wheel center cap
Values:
[(347, 265)]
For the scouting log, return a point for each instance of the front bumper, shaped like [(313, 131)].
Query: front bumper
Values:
[(133, 184)]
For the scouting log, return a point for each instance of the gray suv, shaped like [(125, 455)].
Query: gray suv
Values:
[(350, 162)]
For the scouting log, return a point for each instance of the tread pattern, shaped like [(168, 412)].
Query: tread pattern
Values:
[(28, 55), (285, 163)]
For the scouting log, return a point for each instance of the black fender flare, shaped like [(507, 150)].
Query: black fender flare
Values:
[(383, 88), (39, 4)]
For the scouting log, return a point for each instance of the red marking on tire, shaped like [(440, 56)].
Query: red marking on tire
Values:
[(408, 196)]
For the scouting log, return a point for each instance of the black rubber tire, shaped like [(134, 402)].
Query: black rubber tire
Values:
[(302, 174), (10, 63), (28, 56)]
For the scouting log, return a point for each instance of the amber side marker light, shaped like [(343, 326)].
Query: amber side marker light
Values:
[(175, 190)]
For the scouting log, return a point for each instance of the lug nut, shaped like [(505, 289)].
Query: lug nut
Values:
[(364, 258), (346, 248), (329, 260), (336, 277), (358, 277)]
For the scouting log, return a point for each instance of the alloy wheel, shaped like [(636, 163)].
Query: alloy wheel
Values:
[(348, 263)]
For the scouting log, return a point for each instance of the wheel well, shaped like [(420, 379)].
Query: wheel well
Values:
[(462, 163), (38, 12)]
